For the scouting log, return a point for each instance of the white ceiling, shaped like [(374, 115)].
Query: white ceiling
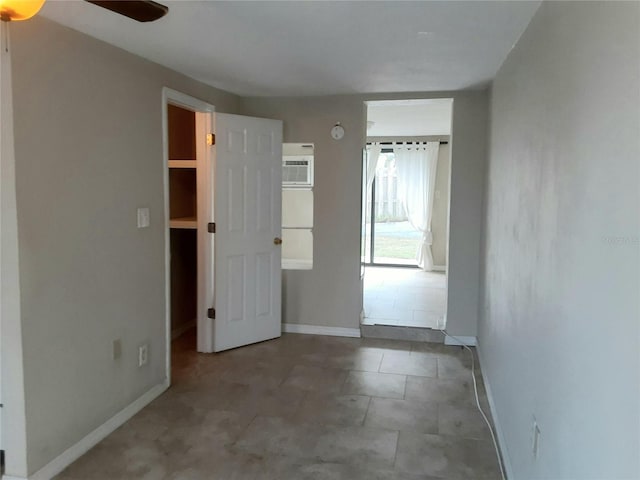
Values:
[(409, 118), (294, 48)]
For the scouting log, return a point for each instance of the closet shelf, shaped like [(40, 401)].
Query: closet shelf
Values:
[(184, 222), (182, 164)]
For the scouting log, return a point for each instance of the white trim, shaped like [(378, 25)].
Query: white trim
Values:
[(205, 327), (167, 232), (74, 452), (205, 243), (187, 101), (321, 330), (468, 341), (439, 268), (502, 444), (184, 328), (13, 430)]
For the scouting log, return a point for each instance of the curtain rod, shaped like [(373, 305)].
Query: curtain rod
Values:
[(402, 143)]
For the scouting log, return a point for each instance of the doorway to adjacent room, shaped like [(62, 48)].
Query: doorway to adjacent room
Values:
[(405, 227)]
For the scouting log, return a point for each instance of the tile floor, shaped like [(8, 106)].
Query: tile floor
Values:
[(407, 297), (305, 407)]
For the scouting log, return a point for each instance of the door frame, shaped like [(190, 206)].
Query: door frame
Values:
[(204, 125), (450, 141), (13, 426)]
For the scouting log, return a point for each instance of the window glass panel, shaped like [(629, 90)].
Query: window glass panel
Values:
[(395, 240)]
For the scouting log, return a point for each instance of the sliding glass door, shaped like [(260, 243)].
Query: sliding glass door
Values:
[(389, 238)]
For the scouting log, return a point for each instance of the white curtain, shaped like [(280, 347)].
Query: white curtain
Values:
[(373, 157), (416, 169)]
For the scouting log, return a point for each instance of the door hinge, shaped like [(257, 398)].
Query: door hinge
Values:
[(211, 138), (211, 227), (211, 313)]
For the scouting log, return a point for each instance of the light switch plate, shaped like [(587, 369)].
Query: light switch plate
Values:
[(143, 217), (143, 355)]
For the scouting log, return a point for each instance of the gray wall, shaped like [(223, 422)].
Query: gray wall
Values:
[(88, 144), (329, 294), (440, 217), (88, 140), (559, 336)]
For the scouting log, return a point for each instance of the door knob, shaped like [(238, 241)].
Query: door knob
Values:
[(277, 241)]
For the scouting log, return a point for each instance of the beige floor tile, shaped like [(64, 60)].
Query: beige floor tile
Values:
[(406, 363), (282, 401), (361, 360), (454, 367), (269, 436), (462, 422), (309, 377), (447, 457), (458, 391), (218, 429), (227, 464), (303, 407), (404, 297), (338, 471), (375, 384), (333, 409), (382, 345), (405, 415), (359, 446), (257, 373)]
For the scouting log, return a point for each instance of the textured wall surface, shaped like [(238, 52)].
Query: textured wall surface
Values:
[(559, 333), (88, 141), (329, 295)]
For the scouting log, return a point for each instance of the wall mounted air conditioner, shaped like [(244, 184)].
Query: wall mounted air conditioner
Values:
[(297, 171)]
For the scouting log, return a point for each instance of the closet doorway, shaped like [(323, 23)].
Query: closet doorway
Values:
[(188, 156), (223, 204), (406, 178)]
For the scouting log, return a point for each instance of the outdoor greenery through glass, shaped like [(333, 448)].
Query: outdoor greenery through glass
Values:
[(395, 240)]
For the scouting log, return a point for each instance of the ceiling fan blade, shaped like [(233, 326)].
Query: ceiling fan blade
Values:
[(140, 10)]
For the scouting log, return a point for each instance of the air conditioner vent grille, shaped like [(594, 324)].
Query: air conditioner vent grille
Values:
[(297, 171)]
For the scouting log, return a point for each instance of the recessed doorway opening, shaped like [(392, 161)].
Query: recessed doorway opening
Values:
[(405, 224), (223, 205), (186, 122)]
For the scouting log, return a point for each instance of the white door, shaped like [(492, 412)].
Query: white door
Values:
[(247, 209)]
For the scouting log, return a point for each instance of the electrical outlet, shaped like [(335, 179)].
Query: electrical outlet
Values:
[(117, 349), (535, 442), (143, 355)]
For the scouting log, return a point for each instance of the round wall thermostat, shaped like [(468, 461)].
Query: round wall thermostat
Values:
[(337, 132)]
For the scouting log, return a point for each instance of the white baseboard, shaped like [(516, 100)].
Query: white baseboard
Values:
[(439, 268), (461, 340), (320, 330), (180, 330), (74, 452), (504, 452)]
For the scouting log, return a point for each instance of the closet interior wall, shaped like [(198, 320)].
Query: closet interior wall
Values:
[(183, 218)]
